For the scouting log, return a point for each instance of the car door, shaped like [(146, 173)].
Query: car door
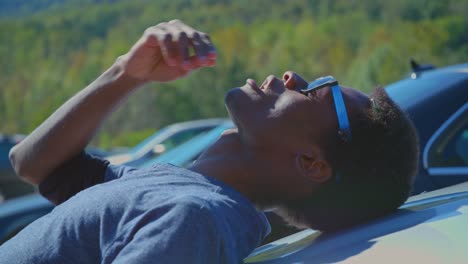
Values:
[(445, 155)]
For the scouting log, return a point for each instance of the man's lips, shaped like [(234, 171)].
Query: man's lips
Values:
[(268, 81), (252, 83)]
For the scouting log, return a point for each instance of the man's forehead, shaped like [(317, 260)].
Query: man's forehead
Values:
[(355, 99)]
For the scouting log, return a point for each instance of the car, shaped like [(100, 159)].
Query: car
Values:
[(97, 152), (10, 185), (164, 140), (15, 214), (185, 154), (6, 143), (428, 228), (436, 100)]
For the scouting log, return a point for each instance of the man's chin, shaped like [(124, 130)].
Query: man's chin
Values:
[(232, 95), (239, 97), (233, 100)]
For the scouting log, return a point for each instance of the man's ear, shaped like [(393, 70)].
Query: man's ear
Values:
[(314, 167)]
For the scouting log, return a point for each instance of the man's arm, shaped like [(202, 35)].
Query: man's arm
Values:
[(161, 54)]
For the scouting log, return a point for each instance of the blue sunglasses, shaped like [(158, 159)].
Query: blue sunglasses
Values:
[(340, 108)]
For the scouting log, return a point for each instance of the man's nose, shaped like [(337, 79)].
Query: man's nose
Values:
[(294, 81)]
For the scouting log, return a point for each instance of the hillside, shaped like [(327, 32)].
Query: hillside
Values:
[(51, 49)]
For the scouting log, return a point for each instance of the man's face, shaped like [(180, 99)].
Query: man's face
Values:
[(277, 114)]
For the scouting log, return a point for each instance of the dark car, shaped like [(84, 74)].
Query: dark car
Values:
[(437, 102), (10, 185)]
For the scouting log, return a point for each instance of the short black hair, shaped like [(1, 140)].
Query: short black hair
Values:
[(376, 170)]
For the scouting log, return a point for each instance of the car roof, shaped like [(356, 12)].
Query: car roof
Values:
[(430, 226), (406, 93), (430, 97), (131, 156), (182, 126)]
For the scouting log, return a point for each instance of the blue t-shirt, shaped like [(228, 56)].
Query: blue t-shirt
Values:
[(164, 214)]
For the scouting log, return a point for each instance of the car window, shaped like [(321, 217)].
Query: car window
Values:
[(449, 146), (169, 139), (181, 137)]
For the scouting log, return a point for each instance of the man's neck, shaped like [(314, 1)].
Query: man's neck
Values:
[(231, 162)]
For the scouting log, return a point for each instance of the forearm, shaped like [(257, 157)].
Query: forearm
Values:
[(70, 128), (161, 54)]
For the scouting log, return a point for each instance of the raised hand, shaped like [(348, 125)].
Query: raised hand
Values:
[(168, 51)]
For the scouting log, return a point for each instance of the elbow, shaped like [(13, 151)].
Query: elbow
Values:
[(19, 166), (13, 156)]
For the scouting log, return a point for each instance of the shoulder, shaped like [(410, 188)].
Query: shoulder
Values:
[(175, 231), (188, 228), (191, 205)]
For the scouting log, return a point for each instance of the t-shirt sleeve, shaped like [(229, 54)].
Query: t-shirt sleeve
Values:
[(184, 234), (74, 175)]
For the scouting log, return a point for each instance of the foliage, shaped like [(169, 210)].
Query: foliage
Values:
[(50, 49)]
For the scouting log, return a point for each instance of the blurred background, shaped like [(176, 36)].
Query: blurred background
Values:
[(50, 49)]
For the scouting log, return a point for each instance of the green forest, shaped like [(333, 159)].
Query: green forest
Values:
[(51, 49)]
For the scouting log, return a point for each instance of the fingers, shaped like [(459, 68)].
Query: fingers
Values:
[(204, 49), (157, 37), (178, 41)]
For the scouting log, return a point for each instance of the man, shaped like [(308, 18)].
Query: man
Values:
[(325, 156)]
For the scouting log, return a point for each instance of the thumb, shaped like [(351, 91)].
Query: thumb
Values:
[(151, 41)]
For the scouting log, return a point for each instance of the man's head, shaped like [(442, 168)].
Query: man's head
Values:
[(320, 179)]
